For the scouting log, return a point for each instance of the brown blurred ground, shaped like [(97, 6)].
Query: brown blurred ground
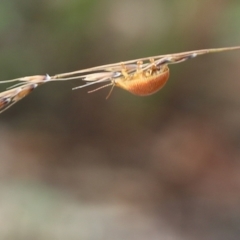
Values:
[(75, 166)]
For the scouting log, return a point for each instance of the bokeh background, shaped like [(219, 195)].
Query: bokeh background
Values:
[(75, 166)]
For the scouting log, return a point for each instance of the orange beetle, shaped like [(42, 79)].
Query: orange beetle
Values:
[(143, 83)]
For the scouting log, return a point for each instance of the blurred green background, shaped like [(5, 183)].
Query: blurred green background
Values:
[(75, 166)]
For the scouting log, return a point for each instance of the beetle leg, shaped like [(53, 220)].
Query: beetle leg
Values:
[(124, 70), (139, 66)]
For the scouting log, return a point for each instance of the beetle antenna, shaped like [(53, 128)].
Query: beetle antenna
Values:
[(110, 92), (99, 88)]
